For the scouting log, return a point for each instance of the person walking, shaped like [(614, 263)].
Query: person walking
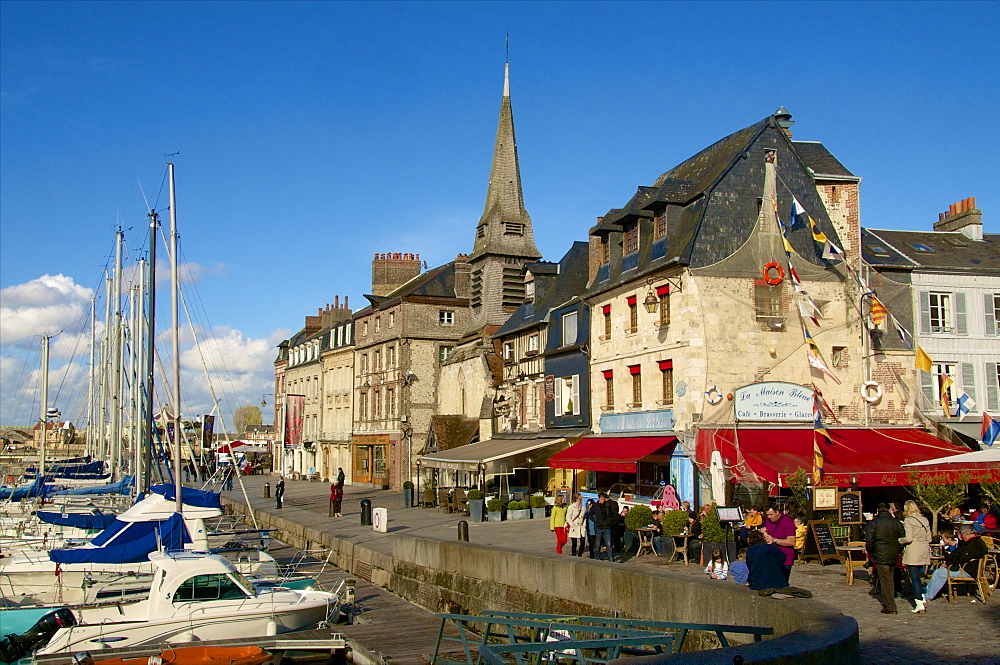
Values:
[(340, 476), (336, 499), (605, 519), (882, 542), (917, 553), (279, 490), (576, 525), (557, 522), (591, 517)]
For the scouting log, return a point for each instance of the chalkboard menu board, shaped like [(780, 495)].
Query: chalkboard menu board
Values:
[(850, 508), (823, 539)]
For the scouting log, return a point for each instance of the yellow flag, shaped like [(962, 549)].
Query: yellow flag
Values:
[(945, 382), (923, 360)]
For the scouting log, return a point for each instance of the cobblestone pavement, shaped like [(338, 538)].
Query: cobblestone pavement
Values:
[(963, 632)]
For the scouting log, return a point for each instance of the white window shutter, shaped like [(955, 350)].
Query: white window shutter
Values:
[(576, 394), (969, 381), (991, 317), (559, 407), (991, 386), (961, 320), (925, 312), (927, 388)]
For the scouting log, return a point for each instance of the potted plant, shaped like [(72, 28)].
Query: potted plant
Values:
[(518, 510), (475, 505), (494, 510), (636, 518), (674, 521), (408, 494), (537, 503)]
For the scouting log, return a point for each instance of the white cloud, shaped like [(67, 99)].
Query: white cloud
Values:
[(49, 303)]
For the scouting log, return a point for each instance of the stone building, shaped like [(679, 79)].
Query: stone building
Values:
[(710, 298), (402, 338), (338, 396), (300, 377), (943, 286)]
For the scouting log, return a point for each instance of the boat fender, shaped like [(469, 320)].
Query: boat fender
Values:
[(272, 628), (871, 391), (773, 280)]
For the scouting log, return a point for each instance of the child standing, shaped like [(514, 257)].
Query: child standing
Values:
[(800, 535)]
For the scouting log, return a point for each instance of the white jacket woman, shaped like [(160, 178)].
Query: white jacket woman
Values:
[(576, 524), (917, 539)]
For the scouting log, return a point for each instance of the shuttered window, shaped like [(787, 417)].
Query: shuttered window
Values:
[(961, 319), (969, 381), (991, 311), (992, 401)]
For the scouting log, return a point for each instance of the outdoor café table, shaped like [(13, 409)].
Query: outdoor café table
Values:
[(645, 534), (681, 545), (851, 561)]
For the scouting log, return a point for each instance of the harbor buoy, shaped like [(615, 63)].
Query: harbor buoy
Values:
[(871, 391), (770, 279)]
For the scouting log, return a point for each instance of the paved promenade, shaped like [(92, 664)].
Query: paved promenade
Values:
[(963, 632)]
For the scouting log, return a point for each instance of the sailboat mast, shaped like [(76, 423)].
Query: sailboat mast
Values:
[(44, 415), (142, 483), (175, 323), (91, 395), (116, 359)]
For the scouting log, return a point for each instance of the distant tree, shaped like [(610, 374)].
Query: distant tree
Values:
[(798, 482), (989, 484), (246, 416), (933, 491)]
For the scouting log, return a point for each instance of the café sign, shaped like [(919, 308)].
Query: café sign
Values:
[(774, 401)]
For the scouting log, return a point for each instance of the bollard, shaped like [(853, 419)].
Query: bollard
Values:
[(267, 490), (463, 531), (366, 512)]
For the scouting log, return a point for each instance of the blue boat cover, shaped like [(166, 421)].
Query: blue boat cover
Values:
[(80, 520), (70, 469), (123, 486), (135, 542), (190, 496), (36, 488)]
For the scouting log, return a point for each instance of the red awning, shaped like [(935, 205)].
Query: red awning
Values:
[(874, 456), (613, 453)]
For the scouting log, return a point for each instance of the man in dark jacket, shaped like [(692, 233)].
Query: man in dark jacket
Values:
[(766, 564), (882, 538), (963, 562), (605, 519)]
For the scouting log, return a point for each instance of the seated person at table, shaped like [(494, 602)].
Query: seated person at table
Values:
[(739, 570), (753, 521), (801, 530), (765, 563), (949, 541), (963, 562), (984, 519)]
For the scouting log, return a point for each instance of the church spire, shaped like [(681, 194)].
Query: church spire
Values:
[(504, 237), (505, 227)]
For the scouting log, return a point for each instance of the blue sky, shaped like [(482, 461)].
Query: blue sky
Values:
[(312, 135)]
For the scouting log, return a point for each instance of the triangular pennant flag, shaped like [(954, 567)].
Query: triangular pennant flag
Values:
[(813, 348), (903, 334), (831, 251), (945, 382), (805, 313), (923, 361), (797, 212), (817, 463), (818, 235), (819, 427), (991, 428), (818, 364)]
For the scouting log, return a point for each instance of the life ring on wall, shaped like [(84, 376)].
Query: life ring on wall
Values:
[(9, 480), (871, 397), (713, 396), (766, 271)]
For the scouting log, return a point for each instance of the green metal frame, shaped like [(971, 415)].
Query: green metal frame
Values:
[(527, 639)]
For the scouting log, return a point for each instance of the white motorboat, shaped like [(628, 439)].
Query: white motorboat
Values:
[(195, 596)]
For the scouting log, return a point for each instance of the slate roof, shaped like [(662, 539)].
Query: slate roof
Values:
[(454, 431), (570, 282), (820, 160), (712, 200), (949, 250)]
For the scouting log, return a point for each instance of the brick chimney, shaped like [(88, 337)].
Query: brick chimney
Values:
[(336, 313), (963, 217), (463, 276), (391, 270)]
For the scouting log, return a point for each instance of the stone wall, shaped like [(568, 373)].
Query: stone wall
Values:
[(453, 576)]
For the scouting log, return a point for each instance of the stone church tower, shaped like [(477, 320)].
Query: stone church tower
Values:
[(504, 238)]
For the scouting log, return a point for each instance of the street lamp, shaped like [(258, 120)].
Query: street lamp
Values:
[(529, 475)]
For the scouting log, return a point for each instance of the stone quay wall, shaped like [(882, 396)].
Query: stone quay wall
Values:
[(460, 577)]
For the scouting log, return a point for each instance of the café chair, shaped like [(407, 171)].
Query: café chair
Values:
[(979, 582), (444, 501), (459, 502), (854, 559), (992, 563)]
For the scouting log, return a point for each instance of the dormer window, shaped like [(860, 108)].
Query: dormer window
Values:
[(605, 249), (878, 250), (481, 231), (529, 289), (630, 237), (513, 228), (660, 225), (921, 248)]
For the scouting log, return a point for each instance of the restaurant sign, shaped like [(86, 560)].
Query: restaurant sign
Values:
[(774, 401)]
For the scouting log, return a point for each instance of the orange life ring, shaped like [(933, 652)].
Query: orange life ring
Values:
[(9, 480), (768, 279)]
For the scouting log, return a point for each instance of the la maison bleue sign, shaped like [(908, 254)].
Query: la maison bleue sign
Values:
[(774, 401)]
